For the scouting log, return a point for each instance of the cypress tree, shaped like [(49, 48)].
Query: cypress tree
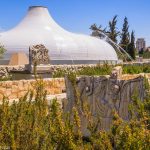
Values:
[(112, 32), (125, 36), (131, 47)]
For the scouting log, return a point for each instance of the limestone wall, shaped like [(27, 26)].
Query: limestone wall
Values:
[(17, 89), (13, 68), (52, 68)]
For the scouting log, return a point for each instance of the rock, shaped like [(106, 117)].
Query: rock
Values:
[(4, 74), (116, 72)]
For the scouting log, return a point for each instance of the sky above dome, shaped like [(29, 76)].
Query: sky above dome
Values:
[(78, 15)]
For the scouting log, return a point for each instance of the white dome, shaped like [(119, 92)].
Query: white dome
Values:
[(38, 27)]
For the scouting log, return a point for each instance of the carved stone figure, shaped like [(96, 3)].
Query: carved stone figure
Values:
[(104, 95), (38, 54)]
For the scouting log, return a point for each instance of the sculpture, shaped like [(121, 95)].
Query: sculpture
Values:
[(38, 54), (104, 94)]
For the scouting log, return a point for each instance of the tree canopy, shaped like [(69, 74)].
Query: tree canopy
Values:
[(125, 36), (113, 31), (131, 46)]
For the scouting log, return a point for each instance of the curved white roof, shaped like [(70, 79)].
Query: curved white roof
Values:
[(38, 27)]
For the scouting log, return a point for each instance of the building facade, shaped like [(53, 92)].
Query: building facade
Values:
[(38, 27), (140, 44)]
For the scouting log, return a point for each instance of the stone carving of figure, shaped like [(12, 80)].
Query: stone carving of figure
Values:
[(38, 54)]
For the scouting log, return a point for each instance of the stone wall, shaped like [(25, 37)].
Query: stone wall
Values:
[(13, 68), (52, 68), (17, 89), (104, 94)]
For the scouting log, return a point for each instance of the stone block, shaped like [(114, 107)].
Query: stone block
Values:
[(116, 72), (21, 94), (2, 90), (1, 97), (8, 84), (38, 54), (8, 92), (15, 90), (104, 95), (13, 95)]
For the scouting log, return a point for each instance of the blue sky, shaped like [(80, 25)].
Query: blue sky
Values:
[(78, 15)]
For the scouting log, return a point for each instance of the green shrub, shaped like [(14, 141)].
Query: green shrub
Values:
[(86, 70), (2, 51), (136, 68), (103, 70), (38, 125)]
